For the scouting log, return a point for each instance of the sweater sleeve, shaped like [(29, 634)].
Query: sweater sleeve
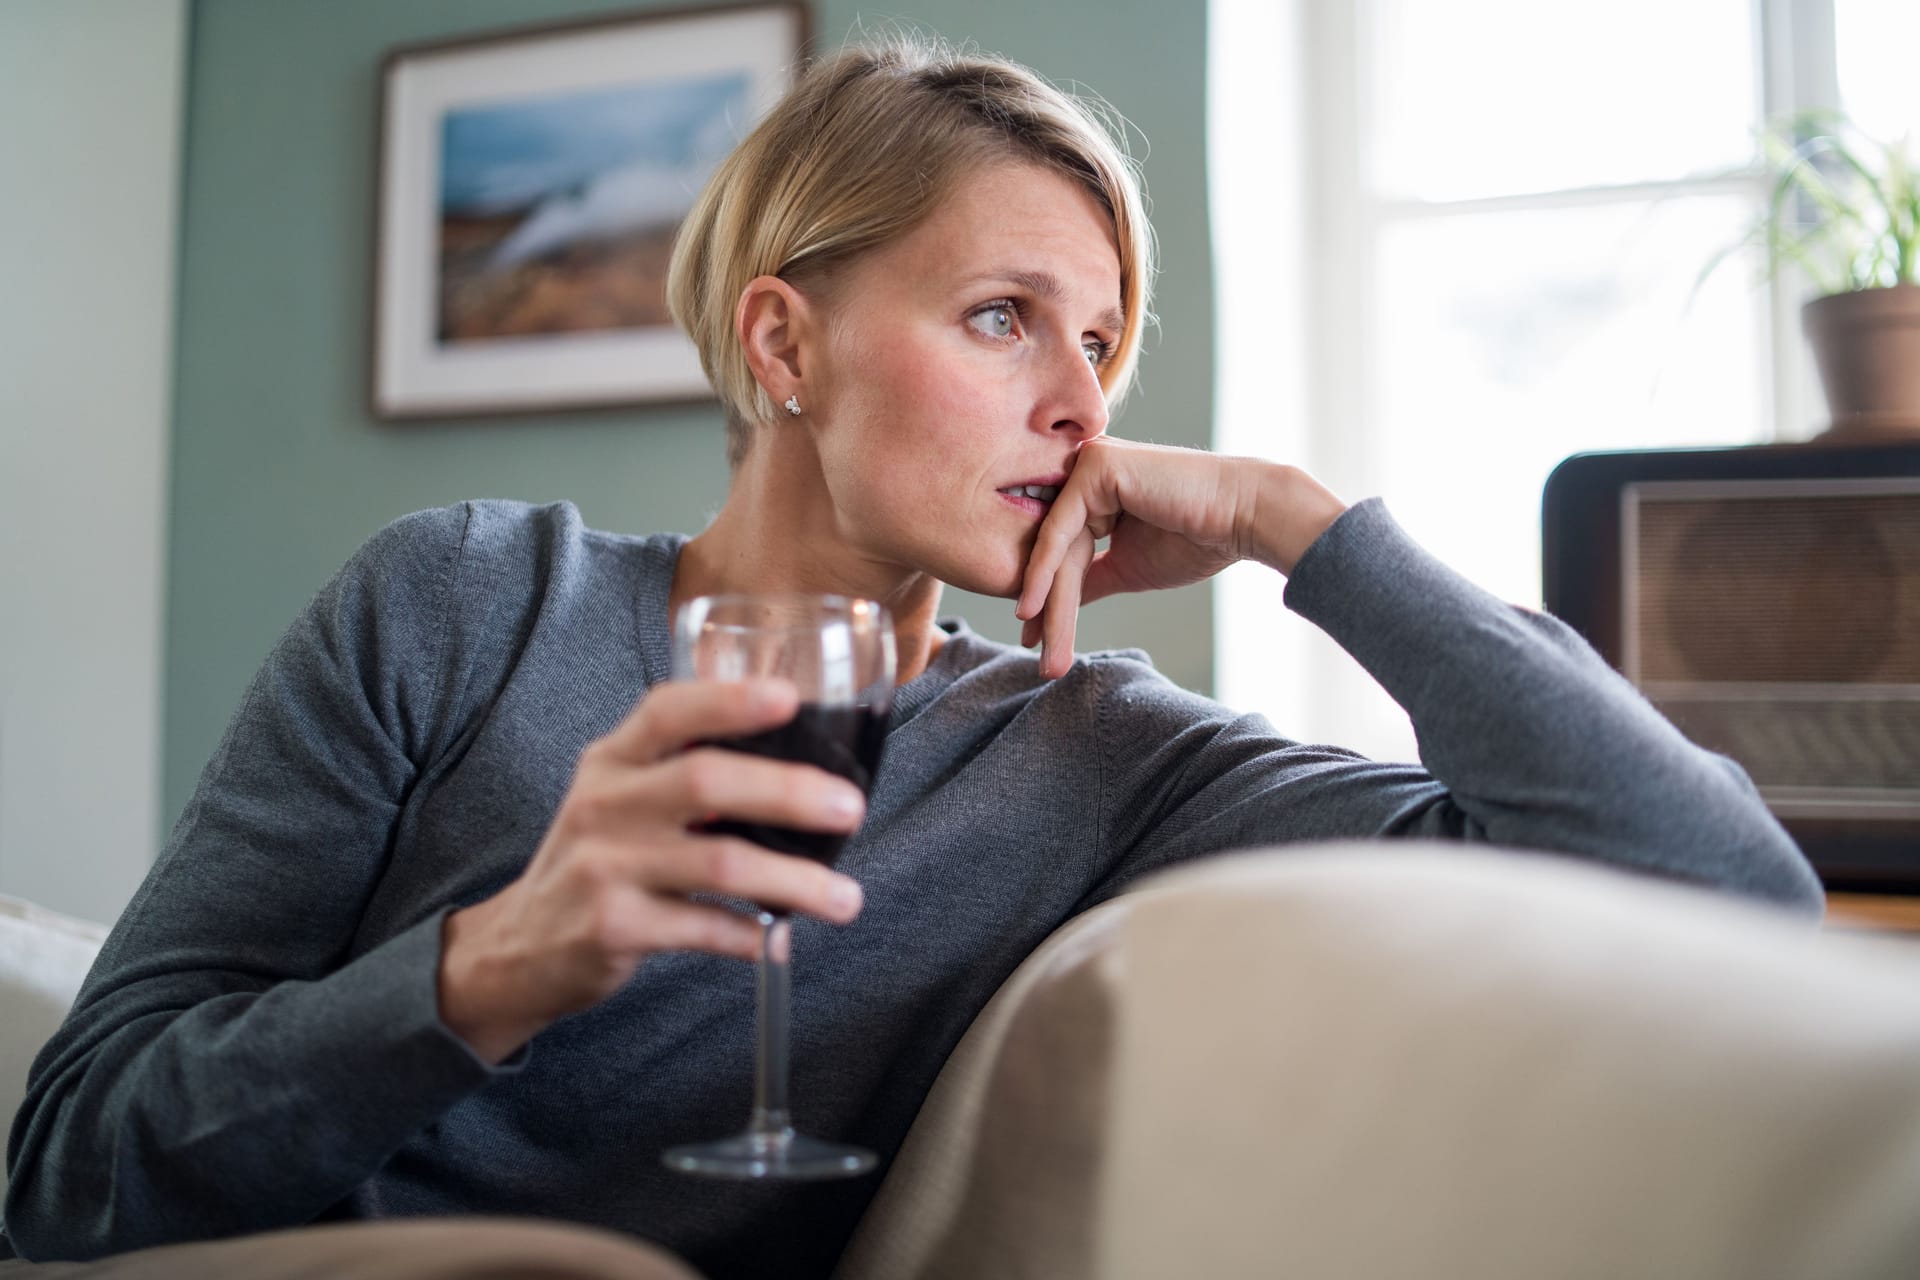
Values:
[(1528, 739), (234, 1062)]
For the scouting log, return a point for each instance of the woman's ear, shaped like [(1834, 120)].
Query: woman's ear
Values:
[(773, 325)]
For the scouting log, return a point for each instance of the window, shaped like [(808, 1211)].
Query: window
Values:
[(1874, 44), (1461, 239)]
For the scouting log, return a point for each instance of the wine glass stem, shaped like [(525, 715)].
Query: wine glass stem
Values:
[(770, 1116)]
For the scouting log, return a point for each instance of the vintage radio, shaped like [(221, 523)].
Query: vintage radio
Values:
[(1767, 600)]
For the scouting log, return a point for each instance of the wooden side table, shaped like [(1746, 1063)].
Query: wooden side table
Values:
[(1874, 912)]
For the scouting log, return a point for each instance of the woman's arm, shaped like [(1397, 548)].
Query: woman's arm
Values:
[(254, 1042), (1540, 743), (1528, 738), (227, 1067)]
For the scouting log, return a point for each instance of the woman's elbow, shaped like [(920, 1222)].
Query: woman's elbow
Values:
[(35, 1230), (1770, 863), (1785, 876), (62, 1204)]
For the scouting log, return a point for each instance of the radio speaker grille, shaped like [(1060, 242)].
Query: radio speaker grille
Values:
[(1783, 629)]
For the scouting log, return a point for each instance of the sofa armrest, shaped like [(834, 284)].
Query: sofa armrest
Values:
[(44, 957), (1408, 1060)]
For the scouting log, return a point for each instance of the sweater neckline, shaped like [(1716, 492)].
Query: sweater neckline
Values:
[(661, 556)]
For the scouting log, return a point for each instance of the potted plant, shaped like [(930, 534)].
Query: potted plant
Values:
[(1845, 210)]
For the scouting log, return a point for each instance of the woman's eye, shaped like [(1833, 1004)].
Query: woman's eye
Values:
[(1097, 352), (996, 321)]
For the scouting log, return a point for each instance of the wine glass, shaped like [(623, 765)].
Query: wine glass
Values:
[(839, 653)]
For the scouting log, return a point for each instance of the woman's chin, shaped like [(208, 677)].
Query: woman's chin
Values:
[(1002, 580)]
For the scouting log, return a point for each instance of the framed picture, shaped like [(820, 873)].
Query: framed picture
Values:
[(530, 186)]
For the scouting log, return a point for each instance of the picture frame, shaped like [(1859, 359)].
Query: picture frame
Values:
[(529, 185)]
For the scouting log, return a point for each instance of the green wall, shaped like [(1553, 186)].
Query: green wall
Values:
[(279, 473)]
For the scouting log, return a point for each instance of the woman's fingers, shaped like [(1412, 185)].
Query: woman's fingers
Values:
[(1063, 608), (677, 713), (1090, 501), (667, 924), (711, 781), (613, 799), (1064, 523), (637, 819), (739, 868)]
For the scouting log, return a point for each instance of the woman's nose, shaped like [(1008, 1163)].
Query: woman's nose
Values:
[(1078, 402)]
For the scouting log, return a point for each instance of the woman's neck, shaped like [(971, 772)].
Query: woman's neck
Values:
[(773, 535)]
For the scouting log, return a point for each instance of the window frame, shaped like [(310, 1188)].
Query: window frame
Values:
[(1322, 230)]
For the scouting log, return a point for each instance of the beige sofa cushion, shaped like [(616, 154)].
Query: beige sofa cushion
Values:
[(44, 956), (997, 1177), (1406, 1060)]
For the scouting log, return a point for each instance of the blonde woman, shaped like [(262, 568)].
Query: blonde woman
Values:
[(423, 944)]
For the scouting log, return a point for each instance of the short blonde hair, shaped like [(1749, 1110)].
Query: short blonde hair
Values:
[(858, 153)]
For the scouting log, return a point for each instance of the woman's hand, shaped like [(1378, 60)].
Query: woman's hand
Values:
[(608, 886), (1175, 516)]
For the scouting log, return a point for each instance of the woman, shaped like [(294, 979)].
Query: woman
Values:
[(423, 943)]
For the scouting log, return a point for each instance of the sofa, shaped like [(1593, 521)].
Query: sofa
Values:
[(43, 958), (1386, 1060)]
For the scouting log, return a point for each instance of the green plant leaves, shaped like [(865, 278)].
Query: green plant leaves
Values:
[(1842, 207)]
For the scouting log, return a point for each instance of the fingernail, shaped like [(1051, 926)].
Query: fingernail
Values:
[(846, 802), (847, 895)]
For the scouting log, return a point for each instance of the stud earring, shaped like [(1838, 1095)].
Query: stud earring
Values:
[(793, 405)]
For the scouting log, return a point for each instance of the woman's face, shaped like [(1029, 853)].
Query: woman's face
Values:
[(960, 361)]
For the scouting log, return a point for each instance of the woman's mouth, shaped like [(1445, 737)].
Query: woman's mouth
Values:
[(1034, 499)]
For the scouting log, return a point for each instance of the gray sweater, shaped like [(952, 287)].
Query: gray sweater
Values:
[(259, 1045)]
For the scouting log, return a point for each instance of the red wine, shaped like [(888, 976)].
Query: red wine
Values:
[(842, 740)]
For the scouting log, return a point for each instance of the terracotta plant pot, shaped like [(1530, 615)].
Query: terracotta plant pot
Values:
[(1867, 347)]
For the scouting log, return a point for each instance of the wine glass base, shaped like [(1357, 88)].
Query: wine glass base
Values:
[(789, 1155)]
